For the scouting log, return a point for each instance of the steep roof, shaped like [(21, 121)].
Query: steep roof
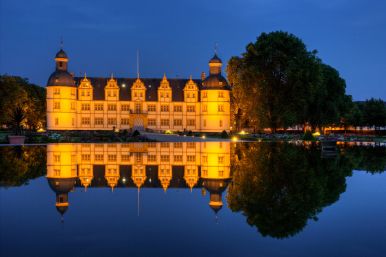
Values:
[(151, 84)]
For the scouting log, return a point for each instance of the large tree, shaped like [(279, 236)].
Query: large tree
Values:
[(274, 80), (16, 92), (374, 113)]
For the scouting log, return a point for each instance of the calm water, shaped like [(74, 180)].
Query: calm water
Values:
[(192, 199)]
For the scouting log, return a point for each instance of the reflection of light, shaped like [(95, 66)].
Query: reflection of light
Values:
[(203, 137), (149, 179), (41, 130), (242, 132), (124, 180), (316, 134), (168, 132), (234, 139), (116, 130)]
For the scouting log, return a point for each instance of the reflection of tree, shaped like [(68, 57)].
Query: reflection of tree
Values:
[(19, 164), (368, 158), (280, 186)]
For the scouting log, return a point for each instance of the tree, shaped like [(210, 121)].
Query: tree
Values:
[(16, 91), (274, 80), (280, 186), (374, 113)]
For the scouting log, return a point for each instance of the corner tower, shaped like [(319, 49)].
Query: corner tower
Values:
[(215, 99), (61, 96)]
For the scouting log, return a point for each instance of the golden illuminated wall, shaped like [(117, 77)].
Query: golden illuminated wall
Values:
[(61, 108), (78, 160), (215, 110)]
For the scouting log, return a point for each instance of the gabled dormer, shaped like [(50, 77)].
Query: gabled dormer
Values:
[(112, 90), (138, 91), (191, 91), (164, 91), (85, 89)]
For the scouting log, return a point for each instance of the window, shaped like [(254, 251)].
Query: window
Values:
[(57, 172), (220, 94), (177, 145), (112, 157), (164, 145), (98, 121), (220, 123), (56, 158), (220, 108), (164, 158), (99, 157), (204, 94), (178, 108), (112, 107), (190, 108), (164, 122), (125, 107), (85, 157), (221, 173), (125, 121), (88, 93), (191, 122), (178, 158), (85, 120), (177, 122), (85, 107), (56, 91), (112, 121), (56, 121), (151, 108), (125, 157), (164, 108), (138, 108), (190, 145), (221, 159), (204, 123), (56, 105), (152, 158), (204, 173), (191, 158), (72, 105), (73, 91), (98, 107), (151, 122), (73, 158), (205, 159), (204, 108)]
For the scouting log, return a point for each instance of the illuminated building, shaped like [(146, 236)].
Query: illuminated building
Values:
[(76, 103), (137, 165)]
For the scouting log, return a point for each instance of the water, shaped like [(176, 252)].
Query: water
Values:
[(192, 199)]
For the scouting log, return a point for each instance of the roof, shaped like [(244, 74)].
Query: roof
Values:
[(215, 59), (151, 84), (215, 81), (61, 54), (61, 78)]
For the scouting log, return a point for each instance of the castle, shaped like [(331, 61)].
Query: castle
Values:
[(204, 165), (76, 103)]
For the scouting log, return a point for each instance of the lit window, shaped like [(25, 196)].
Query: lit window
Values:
[(56, 105), (220, 108), (177, 108), (190, 108), (177, 122), (191, 122), (99, 121), (151, 122), (112, 107)]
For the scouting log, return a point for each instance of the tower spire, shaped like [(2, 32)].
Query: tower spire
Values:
[(61, 42), (215, 48), (137, 63)]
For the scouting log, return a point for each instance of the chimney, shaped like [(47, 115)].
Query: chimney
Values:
[(203, 76)]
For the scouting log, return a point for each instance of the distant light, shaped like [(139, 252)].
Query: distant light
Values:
[(242, 132), (41, 130), (234, 139), (123, 180), (203, 137), (149, 179), (123, 85), (316, 134)]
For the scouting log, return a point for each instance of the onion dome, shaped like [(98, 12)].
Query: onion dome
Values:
[(215, 59), (215, 187), (61, 54), (61, 78), (61, 185)]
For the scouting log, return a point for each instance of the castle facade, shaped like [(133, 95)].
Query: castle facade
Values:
[(76, 103)]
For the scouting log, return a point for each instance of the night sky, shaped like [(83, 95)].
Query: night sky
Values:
[(178, 37)]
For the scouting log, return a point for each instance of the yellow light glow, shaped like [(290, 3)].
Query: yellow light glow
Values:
[(41, 130), (242, 132), (235, 139), (316, 134), (203, 137)]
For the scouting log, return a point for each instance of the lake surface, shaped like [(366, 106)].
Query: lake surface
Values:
[(192, 199)]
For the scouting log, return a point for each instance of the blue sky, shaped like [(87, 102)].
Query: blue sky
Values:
[(178, 37)]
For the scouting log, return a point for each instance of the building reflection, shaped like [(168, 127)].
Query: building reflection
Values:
[(164, 165)]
